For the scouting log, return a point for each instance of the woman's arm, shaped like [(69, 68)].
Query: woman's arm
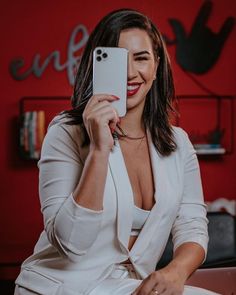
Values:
[(187, 258), (99, 118), (70, 227), (90, 189), (191, 223), (189, 231), (171, 279), (71, 193)]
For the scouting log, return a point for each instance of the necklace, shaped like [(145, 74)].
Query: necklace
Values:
[(123, 134)]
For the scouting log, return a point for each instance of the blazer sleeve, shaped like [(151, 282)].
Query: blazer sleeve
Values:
[(70, 228), (191, 223)]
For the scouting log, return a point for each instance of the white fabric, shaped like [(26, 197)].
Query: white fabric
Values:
[(79, 247), (139, 218), (123, 280)]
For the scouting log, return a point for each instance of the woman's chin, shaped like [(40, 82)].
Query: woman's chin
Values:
[(135, 100)]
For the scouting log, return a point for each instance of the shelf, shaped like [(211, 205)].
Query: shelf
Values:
[(207, 119), (213, 151), (209, 122), (35, 115), (209, 149)]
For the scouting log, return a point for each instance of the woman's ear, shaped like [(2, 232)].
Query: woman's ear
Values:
[(158, 61)]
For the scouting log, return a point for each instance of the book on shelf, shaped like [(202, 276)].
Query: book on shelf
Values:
[(32, 132)]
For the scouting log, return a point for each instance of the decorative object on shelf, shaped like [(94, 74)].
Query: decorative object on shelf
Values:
[(215, 136), (213, 145)]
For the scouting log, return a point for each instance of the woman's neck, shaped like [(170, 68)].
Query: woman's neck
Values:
[(132, 123)]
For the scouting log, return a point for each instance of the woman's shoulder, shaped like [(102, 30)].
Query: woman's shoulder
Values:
[(60, 125), (61, 133), (65, 138), (181, 137), (179, 132)]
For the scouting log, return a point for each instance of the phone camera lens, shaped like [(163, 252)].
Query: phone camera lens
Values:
[(99, 58), (104, 55), (99, 51)]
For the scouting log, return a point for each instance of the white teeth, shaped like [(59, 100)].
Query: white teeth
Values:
[(132, 87)]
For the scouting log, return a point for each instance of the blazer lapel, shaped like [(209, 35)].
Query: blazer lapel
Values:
[(164, 175), (163, 192), (124, 195)]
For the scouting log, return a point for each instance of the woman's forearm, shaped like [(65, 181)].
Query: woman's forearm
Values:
[(90, 189), (187, 258), (171, 278)]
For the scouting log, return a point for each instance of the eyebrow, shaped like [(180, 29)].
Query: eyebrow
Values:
[(141, 52)]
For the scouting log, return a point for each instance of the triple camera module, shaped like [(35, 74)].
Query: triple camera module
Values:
[(101, 55)]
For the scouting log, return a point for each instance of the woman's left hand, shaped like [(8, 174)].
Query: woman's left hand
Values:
[(161, 282)]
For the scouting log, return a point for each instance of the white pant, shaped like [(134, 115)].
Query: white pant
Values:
[(122, 281)]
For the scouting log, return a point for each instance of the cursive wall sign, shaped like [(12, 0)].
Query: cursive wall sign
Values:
[(196, 52), (54, 57)]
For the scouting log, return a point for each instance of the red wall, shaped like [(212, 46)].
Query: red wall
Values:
[(30, 27)]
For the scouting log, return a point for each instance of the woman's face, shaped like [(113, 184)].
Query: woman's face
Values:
[(142, 65)]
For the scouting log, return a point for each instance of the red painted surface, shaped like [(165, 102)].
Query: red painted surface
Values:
[(30, 27)]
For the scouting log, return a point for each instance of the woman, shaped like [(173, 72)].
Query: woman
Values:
[(112, 189)]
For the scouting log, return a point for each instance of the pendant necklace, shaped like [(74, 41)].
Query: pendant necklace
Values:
[(123, 134)]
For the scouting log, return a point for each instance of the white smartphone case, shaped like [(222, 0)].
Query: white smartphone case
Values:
[(110, 74)]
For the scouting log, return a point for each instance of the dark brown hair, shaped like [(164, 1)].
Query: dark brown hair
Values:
[(159, 99)]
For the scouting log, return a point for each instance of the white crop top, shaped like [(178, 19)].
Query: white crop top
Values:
[(139, 218)]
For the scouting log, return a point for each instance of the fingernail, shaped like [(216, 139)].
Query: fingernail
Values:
[(116, 97)]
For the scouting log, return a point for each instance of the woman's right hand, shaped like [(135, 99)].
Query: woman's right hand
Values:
[(100, 119)]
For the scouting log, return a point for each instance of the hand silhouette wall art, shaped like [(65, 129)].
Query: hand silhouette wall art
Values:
[(198, 51)]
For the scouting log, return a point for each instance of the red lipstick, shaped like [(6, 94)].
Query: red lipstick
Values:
[(133, 88)]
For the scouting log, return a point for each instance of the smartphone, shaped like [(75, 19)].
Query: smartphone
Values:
[(110, 75)]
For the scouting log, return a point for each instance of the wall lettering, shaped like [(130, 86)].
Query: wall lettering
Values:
[(54, 57), (196, 51)]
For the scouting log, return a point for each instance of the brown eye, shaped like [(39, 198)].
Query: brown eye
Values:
[(141, 58)]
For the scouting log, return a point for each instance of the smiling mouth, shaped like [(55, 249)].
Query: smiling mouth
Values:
[(133, 88)]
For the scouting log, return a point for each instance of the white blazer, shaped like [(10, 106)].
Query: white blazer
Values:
[(79, 247)]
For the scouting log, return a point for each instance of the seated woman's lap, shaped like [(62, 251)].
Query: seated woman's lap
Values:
[(116, 287)]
